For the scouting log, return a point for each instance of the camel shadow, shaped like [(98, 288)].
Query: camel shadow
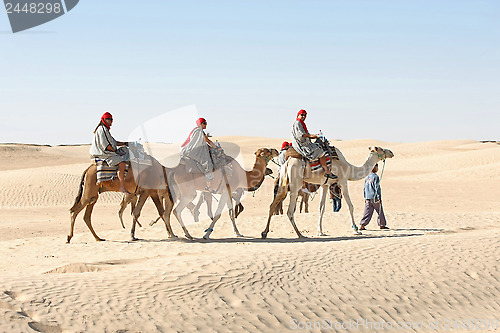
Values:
[(416, 229), (251, 240)]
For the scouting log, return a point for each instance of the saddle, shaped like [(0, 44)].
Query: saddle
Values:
[(105, 172), (295, 154), (313, 166), (290, 152)]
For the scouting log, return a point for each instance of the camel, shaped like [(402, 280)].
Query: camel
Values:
[(293, 173), (195, 209), (184, 186), (154, 184), (303, 195)]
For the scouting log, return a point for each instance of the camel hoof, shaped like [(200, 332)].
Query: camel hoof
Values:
[(357, 232), (302, 237), (68, 239), (264, 235), (238, 235), (189, 237), (133, 239), (322, 234), (172, 236), (100, 240)]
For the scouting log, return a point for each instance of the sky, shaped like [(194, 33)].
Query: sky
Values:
[(398, 71)]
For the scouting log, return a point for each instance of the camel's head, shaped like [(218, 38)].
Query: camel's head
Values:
[(266, 153), (381, 152)]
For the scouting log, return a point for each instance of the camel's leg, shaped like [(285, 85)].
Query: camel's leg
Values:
[(279, 208), (153, 222), (161, 211), (195, 209), (88, 222), (322, 204), (294, 190), (159, 207), (280, 196), (137, 212), (133, 203), (185, 200), (238, 209), (169, 205), (305, 199), (347, 198), (301, 195), (232, 215), (73, 214), (209, 200), (127, 198), (223, 201)]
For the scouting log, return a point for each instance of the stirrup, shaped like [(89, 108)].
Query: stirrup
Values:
[(331, 176)]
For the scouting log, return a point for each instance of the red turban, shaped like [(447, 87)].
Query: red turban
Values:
[(302, 112), (106, 115), (301, 121), (200, 120), (284, 145)]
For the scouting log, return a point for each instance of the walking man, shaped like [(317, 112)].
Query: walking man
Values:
[(373, 200)]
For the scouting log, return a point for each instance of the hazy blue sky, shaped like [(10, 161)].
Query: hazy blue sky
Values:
[(395, 70)]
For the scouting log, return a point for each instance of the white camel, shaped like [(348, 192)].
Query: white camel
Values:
[(294, 172)]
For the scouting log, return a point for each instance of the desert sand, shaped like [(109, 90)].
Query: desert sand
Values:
[(436, 269)]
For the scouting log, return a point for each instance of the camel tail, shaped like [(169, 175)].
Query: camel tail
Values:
[(80, 191), (284, 174)]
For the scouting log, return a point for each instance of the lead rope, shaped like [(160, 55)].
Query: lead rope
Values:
[(381, 175)]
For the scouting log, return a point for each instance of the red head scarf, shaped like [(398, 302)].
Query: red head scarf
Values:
[(200, 120), (198, 123), (301, 121), (284, 145), (106, 115)]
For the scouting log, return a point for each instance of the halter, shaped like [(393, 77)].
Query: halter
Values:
[(268, 158), (380, 156)]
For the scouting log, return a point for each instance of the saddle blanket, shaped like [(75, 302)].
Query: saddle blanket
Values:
[(105, 172), (315, 165)]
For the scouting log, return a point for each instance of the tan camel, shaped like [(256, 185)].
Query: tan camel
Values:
[(303, 195), (184, 185), (293, 173), (155, 186)]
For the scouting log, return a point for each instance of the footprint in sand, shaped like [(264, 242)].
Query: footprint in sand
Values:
[(45, 328)]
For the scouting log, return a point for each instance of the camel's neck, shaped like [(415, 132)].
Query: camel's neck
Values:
[(360, 172), (256, 176)]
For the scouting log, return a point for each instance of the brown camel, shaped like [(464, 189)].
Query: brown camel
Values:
[(303, 194), (153, 184), (184, 185)]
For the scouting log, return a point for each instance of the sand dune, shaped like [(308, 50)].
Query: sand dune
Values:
[(436, 267)]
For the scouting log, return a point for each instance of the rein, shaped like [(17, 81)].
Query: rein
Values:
[(383, 157)]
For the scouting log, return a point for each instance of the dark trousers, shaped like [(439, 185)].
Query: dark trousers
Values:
[(370, 206)]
